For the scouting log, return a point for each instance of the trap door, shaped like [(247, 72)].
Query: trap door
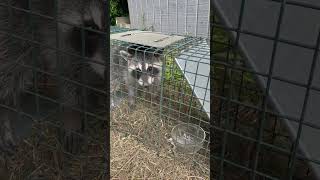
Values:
[(147, 38), (292, 62), (195, 64)]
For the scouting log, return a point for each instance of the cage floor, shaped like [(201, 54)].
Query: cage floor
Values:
[(40, 155), (140, 148)]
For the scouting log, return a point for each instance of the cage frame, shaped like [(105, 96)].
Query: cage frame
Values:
[(166, 108)]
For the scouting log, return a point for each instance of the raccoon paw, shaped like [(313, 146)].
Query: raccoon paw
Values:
[(71, 133), (8, 141), (4, 170), (131, 108), (71, 142), (132, 105)]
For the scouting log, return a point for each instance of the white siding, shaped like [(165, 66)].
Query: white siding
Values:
[(171, 16)]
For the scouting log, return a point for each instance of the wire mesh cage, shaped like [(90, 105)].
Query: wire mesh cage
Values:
[(165, 105), (53, 97), (264, 120)]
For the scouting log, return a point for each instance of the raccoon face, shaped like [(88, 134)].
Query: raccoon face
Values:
[(91, 41), (143, 68), (145, 74)]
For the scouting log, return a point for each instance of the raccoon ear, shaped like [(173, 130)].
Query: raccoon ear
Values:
[(125, 55)]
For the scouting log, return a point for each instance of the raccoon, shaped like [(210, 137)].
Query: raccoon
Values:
[(142, 69), (46, 36)]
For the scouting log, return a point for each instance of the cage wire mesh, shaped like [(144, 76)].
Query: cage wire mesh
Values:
[(171, 101), (33, 33), (252, 138)]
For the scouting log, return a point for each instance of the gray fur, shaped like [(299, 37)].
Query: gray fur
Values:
[(135, 59), (14, 52)]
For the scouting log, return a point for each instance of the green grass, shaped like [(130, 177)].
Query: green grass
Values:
[(178, 93), (226, 52), (118, 8)]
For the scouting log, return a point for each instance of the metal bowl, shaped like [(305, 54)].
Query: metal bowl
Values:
[(188, 138)]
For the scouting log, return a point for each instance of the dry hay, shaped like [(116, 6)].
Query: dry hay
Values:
[(41, 156), (140, 148)]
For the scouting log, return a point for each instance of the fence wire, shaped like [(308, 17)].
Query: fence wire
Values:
[(252, 139), (55, 104)]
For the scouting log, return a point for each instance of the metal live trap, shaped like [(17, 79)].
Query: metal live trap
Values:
[(181, 98)]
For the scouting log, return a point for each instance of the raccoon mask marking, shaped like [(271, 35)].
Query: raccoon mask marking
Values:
[(144, 69)]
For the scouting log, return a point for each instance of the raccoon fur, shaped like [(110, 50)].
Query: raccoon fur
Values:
[(137, 67), (31, 37)]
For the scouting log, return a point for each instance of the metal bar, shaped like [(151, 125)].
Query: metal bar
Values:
[(31, 25), (298, 44), (225, 125), (84, 93), (107, 90), (264, 101), (304, 107)]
